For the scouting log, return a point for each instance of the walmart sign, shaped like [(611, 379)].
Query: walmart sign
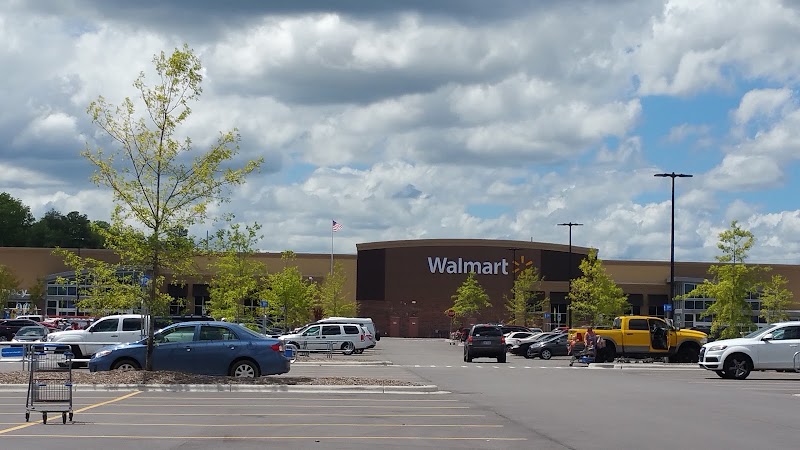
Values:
[(437, 264)]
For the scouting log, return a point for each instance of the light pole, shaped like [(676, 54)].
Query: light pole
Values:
[(569, 269), (672, 175), (513, 281)]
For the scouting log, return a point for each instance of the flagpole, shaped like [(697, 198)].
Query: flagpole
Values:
[(332, 222)]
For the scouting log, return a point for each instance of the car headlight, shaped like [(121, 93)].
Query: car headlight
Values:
[(717, 348), (703, 341), (101, 353)]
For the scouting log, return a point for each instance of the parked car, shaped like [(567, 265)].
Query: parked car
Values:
[(9, 327), (33, 333), (512, 328), (365, 322), (347, 338), (547, 348), (514, 337), (770, 348), (208, 348), (485, 341), (521, 349)]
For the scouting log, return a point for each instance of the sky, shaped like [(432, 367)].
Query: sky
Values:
[(446, 119)]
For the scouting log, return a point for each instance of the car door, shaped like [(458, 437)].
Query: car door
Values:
[(216, 348), (637, 337), (659, 336), (131, 329), (331, 337), (311, 339), (173, 348), (561, 348), (104, 332), (778, 352)]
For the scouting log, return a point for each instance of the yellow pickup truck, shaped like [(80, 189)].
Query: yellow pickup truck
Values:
[(647, 337)]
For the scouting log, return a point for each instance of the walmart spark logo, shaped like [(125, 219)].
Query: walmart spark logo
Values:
[(521, 265)]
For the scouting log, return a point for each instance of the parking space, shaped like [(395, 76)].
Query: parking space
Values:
[(206, 420)]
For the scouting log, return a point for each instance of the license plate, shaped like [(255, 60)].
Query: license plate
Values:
[(487, 342)]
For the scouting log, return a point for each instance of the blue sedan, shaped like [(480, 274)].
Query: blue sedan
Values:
[(207, 348)]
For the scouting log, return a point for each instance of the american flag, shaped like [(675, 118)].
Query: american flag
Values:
[(336, 226)]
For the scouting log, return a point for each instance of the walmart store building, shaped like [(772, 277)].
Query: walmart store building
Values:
[(406, 286)]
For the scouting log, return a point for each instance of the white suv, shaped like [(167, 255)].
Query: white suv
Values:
[(320, 337), (776, 347)]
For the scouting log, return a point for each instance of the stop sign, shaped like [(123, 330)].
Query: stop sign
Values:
[(451, 313)]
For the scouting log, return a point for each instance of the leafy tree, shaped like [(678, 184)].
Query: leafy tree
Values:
[(237, 276), (470, 297), (595, 297), (37, 291), (520, 306), (732, 282), (775, 299), (159, 182), (9, 284), (103, 287), (288, 294), (15, 220), (57, 230), (332, 298)]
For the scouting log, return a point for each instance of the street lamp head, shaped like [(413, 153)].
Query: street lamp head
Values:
[(673, 175), (570, 224)]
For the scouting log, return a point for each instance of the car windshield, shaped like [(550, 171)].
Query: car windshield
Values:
[(757, 333), (487, 331), (30, 331)]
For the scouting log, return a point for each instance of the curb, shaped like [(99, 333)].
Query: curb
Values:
[(643, 366), (342, 363), (316, 388)]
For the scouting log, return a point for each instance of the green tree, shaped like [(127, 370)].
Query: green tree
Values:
[(470, 297), (57, 230), (731, 284), (238, 278), (524, 301), (15, 220), (332, 298), (9, 284), (290, 296), (595, 297), (775, 299), (160, 183), (102, 287)]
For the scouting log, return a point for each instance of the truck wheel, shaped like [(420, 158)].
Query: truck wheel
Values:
[(738, 366), (688, 353)]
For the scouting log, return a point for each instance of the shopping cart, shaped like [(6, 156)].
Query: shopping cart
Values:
[(50, 381)]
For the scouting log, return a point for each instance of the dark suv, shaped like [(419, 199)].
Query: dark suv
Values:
[(485, 341), (9, 327)]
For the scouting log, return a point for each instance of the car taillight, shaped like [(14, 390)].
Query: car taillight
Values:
[(277, 347), (362, 338), (502, 339), (469, 339)]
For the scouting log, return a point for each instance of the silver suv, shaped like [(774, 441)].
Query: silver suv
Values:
[(485, 341)]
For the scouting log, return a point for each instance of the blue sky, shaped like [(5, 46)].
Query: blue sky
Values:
[(448, 119)]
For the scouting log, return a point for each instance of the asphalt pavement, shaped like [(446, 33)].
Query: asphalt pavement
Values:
[(526, 404)]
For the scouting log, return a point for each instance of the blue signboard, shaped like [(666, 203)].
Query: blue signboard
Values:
[(144, 280), (667, 306), (264, 303), (546, 315)]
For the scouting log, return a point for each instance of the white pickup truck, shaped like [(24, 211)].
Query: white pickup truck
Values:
[(107, 331)]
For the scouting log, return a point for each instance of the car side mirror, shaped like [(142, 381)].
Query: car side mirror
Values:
[(767, 337)]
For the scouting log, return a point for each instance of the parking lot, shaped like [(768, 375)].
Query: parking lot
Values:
[(246, 420), (524, 403)]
